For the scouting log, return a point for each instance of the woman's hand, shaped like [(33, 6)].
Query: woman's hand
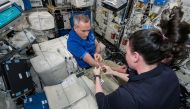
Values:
[(120, 69), (107, 70), (96, 71)]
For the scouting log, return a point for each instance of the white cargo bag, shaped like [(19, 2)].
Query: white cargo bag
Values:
[(52, 68), (22, 39), (53, 62), (43, 35), (55, 45), (41, 20), (82, 3), (72, 93)]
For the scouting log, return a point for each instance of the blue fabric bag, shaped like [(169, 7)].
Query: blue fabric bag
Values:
[(36, 101)]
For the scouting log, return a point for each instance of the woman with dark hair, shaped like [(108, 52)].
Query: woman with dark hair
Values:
[(153, 85)]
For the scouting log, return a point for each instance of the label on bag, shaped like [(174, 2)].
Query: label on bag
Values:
[(17, 61), (68, 82), (20, 75), (7, 67), (25, 90), (30, 99), (27, 74), (18, 93), (43, 102), (8, 62)]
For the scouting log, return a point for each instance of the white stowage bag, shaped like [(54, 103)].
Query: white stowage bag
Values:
[(56, 45), (43, 35), (23, 25), (50, 67), (41, 20), (82, 3), (53, 62), (22, 39), (72, 93)]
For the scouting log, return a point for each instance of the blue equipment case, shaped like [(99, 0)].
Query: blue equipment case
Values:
[(37, 101)]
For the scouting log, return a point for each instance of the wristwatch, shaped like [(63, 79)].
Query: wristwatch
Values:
[(98, 76), (95, 76)]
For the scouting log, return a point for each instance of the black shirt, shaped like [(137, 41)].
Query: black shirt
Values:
[(156, 89)]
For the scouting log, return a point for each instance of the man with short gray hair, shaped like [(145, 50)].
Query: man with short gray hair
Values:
[(82, 43)]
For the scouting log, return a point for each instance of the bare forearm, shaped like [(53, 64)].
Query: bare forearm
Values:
[(114, 68), (88, 59), (98, 48), (98, 85), (123, 76), (119, 69)]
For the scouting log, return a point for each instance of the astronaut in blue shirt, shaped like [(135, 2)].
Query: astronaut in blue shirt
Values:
[(82, 43), (86, 50)]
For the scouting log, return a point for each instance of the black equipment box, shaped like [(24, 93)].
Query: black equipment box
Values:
[(17, 77)]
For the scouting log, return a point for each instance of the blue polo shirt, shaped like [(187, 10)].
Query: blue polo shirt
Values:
[(79, 47)]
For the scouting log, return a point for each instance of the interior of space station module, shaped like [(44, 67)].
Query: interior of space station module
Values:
[(37, 71)]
